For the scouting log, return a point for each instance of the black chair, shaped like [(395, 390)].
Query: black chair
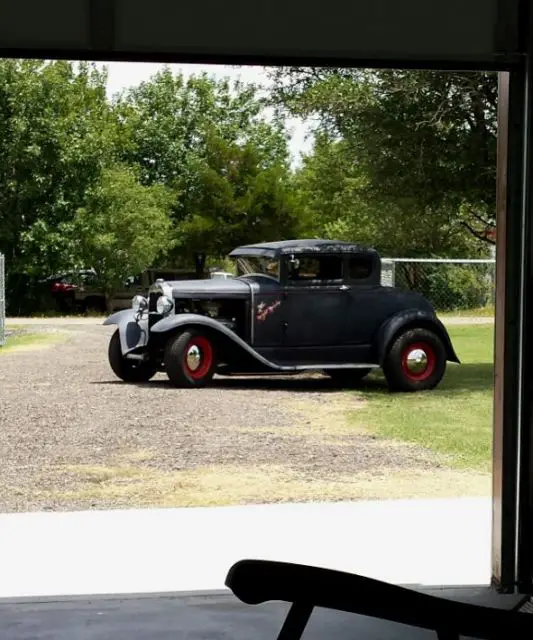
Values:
[(258, 581)]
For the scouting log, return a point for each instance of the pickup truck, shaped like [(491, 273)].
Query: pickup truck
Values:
[(79, 291)]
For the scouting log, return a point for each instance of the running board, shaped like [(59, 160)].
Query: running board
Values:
[(285, 367), (314, 367)]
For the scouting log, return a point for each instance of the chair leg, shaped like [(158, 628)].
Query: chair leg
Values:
[(295, 622)]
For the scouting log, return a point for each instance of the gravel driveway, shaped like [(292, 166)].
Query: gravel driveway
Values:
[(73, 436)]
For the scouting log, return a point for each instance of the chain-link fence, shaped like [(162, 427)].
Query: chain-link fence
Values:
[(450, 285), (2, 301)]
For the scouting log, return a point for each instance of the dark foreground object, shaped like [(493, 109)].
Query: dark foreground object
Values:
[(257, 581), (217, 616)]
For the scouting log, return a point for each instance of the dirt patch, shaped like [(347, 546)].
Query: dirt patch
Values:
[(229, 485)]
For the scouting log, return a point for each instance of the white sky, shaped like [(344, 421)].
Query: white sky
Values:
[(122, 75)]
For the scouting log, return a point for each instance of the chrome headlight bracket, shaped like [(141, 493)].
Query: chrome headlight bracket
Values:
[(139, 304)]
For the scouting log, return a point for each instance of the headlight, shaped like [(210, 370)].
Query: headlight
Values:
[(139, 304), (164, 305)]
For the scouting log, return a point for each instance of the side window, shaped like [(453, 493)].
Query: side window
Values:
[(361, 267), (314, 269)]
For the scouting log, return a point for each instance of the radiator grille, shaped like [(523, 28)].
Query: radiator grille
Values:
[(152, 301), (153, 316)]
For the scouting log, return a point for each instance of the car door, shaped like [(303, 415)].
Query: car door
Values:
[(316, 303), (267, 314), (370, 303)]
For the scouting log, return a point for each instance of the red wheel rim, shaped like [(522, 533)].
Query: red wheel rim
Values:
[(198, 349), (418, 361)]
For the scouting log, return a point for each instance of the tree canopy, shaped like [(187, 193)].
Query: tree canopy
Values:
[(421, 143), (180, 165), (54, 141)]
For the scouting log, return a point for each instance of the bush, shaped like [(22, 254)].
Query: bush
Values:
[(26, 296), (449, 287)]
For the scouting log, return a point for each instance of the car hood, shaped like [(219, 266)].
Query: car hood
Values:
[(212, 288)]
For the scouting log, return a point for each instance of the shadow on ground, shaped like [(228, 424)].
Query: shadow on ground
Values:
[(458, 379), (463, 378), (473, 376), (265, 383)]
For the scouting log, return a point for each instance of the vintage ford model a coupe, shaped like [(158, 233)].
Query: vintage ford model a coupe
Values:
[(292, 306)]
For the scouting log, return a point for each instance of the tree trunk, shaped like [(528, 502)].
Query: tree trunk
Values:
[(109, 303), (199, 261)]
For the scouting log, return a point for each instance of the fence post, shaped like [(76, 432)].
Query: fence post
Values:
[(2, 300), (387, 272)]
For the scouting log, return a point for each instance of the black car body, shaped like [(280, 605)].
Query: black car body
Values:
[(293, 306)]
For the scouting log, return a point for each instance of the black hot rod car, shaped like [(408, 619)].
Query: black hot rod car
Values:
[(292, 306)]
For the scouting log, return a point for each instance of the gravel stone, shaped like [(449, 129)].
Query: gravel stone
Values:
[(62, 406)]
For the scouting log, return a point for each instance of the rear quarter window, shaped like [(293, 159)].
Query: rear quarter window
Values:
[(315, 269), (361, 267)]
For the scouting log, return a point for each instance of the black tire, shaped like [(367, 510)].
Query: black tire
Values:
[(395, 367), (128, 370), (176, 359), (347, 378)]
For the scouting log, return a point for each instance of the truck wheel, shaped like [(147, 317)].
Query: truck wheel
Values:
[(416, 361), (347, 377), (128, 370), (190, 359)]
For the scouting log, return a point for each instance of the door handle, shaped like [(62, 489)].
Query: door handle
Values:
[(344, 287)]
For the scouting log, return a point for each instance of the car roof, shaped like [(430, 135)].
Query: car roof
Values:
[(313, 245)]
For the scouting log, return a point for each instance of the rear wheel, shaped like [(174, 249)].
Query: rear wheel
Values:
[(190, 359), (347, 377), (125, 369), (416, 361)]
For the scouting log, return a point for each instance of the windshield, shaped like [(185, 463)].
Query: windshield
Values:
[(248, 265)]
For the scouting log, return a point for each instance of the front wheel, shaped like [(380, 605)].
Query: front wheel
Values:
[(190, 359), (128, 370), (416, 361)]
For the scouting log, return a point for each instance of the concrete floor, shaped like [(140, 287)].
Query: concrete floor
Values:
[(427, 542), (63, 575), (199, 617)]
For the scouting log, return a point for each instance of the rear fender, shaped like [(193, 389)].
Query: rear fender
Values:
[(409, 319), (183, 320), (133, 332)]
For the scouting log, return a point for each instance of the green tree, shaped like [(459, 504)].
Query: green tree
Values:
[(241, 199), (212, 144), (55, 137), (424, 140), (122, 229), (334, 200)]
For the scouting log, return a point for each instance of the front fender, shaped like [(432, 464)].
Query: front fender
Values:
[(408, 319), (195, 320), (133, 332)]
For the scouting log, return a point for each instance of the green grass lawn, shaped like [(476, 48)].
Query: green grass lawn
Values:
[(25, 341), (482, 312), (454, 419)]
